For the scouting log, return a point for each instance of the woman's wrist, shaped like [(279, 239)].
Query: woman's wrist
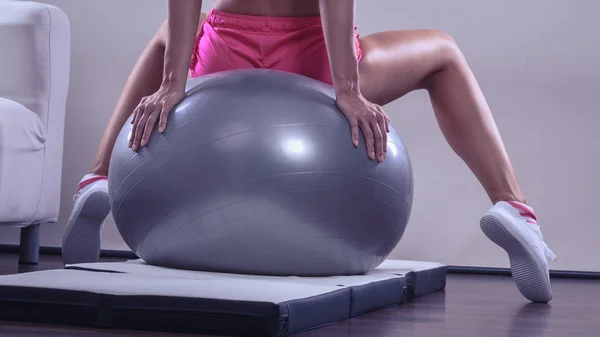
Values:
[(346, 80), (347, 88), (347, 83), (183, 18), (173, 80)]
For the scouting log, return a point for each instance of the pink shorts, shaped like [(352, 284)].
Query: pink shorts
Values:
[(232, 41)]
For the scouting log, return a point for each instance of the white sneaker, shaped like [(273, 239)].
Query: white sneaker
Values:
[(528, 253), (81, 241)]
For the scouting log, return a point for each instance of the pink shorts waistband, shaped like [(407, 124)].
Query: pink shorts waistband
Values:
[(260, 24)]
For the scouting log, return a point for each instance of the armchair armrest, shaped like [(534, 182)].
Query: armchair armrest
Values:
[(34, 82)]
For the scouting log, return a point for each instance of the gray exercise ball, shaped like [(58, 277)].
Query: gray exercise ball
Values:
[(256, 174)]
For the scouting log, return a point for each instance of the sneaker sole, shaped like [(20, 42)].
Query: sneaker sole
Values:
[(82, 236), (528, 275)]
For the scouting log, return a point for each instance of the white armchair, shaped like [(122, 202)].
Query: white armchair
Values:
[(34, 81)]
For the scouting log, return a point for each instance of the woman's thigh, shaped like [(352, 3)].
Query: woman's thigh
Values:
[(395, 63)]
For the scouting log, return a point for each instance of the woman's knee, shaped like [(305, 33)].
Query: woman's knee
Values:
[(160, 37), (162, 33), (448, 49), (448, 56)]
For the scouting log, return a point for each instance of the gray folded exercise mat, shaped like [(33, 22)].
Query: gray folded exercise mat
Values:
[(135, 295)]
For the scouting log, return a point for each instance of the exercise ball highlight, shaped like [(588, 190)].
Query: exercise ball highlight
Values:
[(256, 174)]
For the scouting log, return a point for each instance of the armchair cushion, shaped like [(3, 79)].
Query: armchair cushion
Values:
[(22, 142)]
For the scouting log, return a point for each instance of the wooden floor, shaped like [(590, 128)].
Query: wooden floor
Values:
[(486, 306)]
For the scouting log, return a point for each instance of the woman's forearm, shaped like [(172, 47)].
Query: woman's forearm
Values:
[(338, 27), (183, 19)]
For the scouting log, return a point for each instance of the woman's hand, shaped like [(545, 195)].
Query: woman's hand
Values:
[(337, 17), (370, 118), (151, 109), (182, 22)]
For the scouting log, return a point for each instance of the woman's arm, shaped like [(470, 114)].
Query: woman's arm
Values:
[(182, 25), (183, 19), (337, 17)]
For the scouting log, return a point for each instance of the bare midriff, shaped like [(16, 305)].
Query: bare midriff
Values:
[(272, 8)]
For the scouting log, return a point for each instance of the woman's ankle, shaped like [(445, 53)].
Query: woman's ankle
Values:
[(509, 196), (101, 170)]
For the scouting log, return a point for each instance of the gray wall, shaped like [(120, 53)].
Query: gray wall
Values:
[(536, 60)]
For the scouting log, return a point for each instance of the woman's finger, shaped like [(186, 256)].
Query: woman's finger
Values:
[(164, 114), (136, 117), (133, 114), (140, 107), (378, 140), (139, 129), (149, 127), (382, 123), (354, 130), (365, 127), (387, 119)]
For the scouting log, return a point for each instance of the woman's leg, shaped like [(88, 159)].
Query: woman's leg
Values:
[(81, 240), (397, 62), (144, 80)]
